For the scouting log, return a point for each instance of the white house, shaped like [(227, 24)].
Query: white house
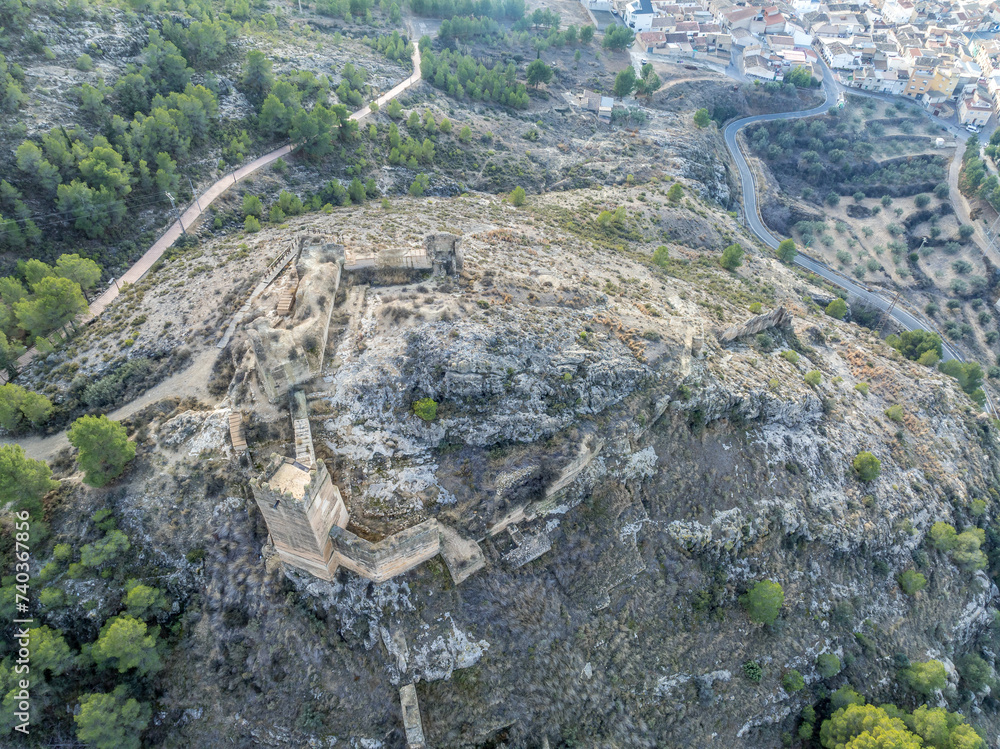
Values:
[(974, 110), (838, 56), (639, 15), (756, 66)]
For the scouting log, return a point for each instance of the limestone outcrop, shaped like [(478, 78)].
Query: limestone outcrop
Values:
[(776, 318)]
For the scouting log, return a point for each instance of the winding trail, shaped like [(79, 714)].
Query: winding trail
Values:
[(192, 379), (909, 319), (213, 193)]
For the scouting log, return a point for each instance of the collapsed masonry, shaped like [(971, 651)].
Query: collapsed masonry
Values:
[(289, 346), (305, 513), (776, 318)]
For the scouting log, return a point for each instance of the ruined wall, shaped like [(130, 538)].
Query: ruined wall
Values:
[(776, 318), (445, 253), (389, 557), (290, 351)]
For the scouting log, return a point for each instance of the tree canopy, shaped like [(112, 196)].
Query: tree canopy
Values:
[(625, 83), (763, 601), (914, 343), (104, 448), (866, 466), (732, 257), (55, 302), (861, 726), (20, 407), (124, 644), (837, 309), (786, 250), (538, 72), (112, 721), (618, 38), (22, 478)]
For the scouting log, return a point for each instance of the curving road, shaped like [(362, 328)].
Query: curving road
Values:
[(909, 320)]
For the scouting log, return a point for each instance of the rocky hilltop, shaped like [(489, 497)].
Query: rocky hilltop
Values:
[(627, 475)]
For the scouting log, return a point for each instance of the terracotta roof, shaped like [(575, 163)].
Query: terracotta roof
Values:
[(650, 38), (741, 14)]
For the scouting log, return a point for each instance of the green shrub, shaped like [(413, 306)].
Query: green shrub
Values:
[(828, 665), (926, 678), (756, 307), (112, 545), (763, 602), (966, 552), (910, 582), (49, 572), (913, 343), (85, 63), (426, 409), (753, 671), (732, 257), (251, 225), (837, 309), (895, 413), (517, 196), (844, 697), (862, 387), (790, 356), (975, 672), (252, 206), (813, 377), (866, 466), (942, 536), (786, 250), (792, 681)]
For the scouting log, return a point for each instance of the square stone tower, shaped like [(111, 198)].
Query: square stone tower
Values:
[(301, 505)]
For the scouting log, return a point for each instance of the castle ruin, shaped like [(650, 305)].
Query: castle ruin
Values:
[(305, 514)]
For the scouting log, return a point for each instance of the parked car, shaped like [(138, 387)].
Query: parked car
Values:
[(643, 61), (972, 128)]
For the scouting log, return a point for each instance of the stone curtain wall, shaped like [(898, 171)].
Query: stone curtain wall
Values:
[(389, 557)]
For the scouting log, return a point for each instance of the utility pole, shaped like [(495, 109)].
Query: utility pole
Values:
[(197, 202), (888, 311), (174, 206)]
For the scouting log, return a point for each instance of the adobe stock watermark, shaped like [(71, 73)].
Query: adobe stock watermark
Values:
[(22, 599)]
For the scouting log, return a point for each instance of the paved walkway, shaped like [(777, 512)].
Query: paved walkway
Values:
[(43, 448), (203, 201)]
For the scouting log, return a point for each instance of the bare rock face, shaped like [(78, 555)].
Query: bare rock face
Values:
[(627, 478)]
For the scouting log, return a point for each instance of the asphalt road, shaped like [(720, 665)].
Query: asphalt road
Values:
[(752, 212)]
